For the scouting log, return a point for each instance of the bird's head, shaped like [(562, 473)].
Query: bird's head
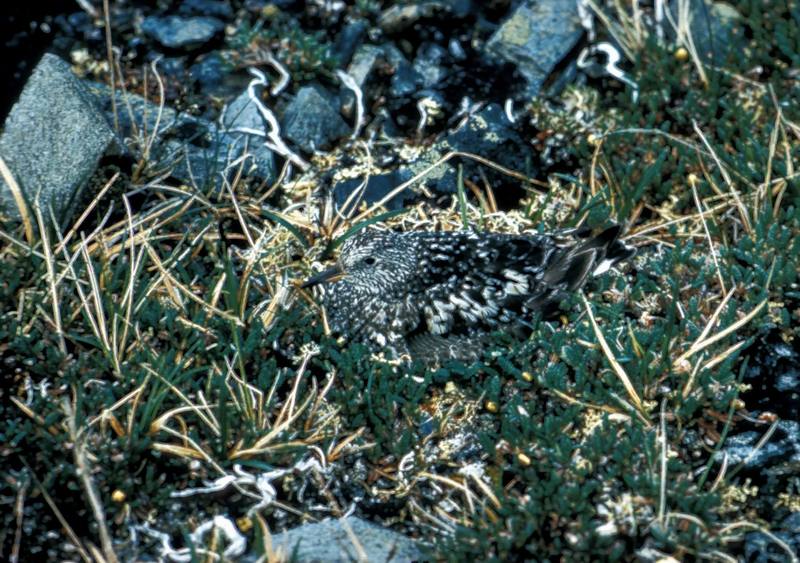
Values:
[(372, 262)]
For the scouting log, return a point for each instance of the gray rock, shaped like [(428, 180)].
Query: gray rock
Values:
[(218, 8), (428, 64), (195, 150), (186, 33), (360, 67), (406, 80), (209, 73), (760, 548), (461, 8), (328, 541), (363, 62), (789, 383), (377, 187), (173, 67), (243, 113), (782, 451), (312, 121), (487, 133), (715, 27), (349, 40), (537, 36), (53, 139)]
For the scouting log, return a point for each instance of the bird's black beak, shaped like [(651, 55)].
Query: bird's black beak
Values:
[(329, 275)]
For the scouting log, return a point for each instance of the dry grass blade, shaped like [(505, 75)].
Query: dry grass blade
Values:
[(95, 200), (361, 554), (186, 291), (468, 494), (19, 512), (33, 416), (281, 424), (722, 356), (97, 298), (711, 248), (161, 421), (110, 410), (703, 344), (73, 537), (405, 185), (51, 280), (724, 171), (84, 473), (574, 401), (662, 489), (744, 524), (179, 451), (192, 450), (112, 80), (715, 317), (239, 215), (623, 377), (757, 448), (337, 450), (684, 36), (19, 200)]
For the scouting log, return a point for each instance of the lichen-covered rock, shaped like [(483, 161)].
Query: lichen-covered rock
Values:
[(329, 541), (312, 120), (53, 139), (185, 33), (537, 36)]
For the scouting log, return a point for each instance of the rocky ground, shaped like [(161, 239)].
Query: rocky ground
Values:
[(170, 169)]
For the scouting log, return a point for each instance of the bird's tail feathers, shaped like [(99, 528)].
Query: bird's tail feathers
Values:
[(595, 255)]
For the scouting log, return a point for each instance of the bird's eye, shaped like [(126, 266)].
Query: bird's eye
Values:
[(370, 260)]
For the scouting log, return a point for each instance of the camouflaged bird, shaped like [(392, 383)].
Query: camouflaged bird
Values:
[(436, 296)]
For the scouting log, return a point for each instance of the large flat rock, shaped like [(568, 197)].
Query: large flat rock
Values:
[(329, 541)]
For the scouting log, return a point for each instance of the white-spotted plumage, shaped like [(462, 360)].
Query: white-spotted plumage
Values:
[(420, 292)]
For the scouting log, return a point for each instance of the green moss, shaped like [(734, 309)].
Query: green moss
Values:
[(306, 55)]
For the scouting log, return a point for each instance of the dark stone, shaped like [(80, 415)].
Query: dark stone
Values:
[(716, 29), (208, 72), (487, 133), (377, 187), (490, 134), (53, 139), (312, 121), (184, 33), (773, 374), (405, 80), (760, 548), (789, 383), (428, 64), (173, 67), (461, 8), (79, 21), (216, 8), (783, 447), (537, 36), (243, 113), (349, 40), (193, 149)]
